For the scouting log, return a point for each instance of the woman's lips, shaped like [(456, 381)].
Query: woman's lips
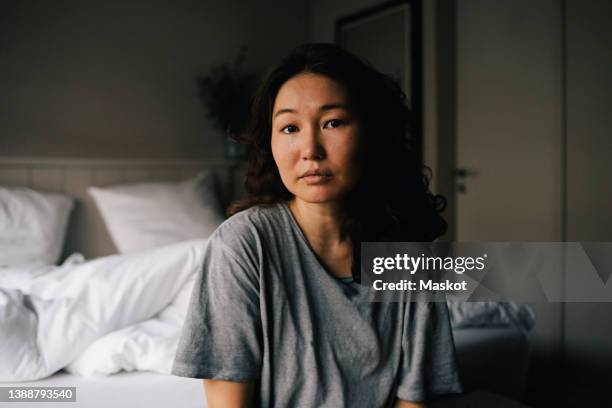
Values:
[(317, 178)]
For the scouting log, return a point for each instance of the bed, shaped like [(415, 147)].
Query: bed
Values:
[(495, 359), (490, 358)]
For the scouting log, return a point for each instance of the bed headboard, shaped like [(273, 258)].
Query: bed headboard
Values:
[(87, 233)]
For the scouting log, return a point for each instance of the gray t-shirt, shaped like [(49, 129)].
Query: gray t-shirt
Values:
[(265, 309)]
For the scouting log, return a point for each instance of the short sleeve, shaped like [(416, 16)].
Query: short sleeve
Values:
[(428, 364), (221, 337)]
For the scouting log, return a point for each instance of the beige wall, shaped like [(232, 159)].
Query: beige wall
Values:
[(116, 78)]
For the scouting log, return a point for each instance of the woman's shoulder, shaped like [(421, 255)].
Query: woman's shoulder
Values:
[(248, 227), (253, 217)]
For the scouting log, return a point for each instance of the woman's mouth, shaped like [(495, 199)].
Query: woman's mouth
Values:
[(316, 178)]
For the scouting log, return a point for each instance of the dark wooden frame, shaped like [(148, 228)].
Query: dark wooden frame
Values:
[(415, 54)]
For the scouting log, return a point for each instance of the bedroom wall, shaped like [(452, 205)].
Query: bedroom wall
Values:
[(115, 79)]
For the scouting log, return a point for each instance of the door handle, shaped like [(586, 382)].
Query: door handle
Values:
[(462, 174)]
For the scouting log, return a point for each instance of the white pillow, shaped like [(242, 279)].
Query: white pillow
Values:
[(32, 226), (147, 215)]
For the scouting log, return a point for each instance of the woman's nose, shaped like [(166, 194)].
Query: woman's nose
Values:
[(312, 148)]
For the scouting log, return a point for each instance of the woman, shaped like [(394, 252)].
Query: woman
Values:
[(278, 317)]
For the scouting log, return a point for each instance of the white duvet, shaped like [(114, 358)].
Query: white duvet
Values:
[(122, 312)]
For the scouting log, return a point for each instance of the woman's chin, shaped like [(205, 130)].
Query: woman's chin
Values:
[(319, 197)]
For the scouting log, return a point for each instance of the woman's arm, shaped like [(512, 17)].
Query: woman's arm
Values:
[(407, 404), (228, 394)]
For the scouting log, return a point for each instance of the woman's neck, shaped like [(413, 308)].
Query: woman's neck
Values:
[(320, 222), (322, 226)]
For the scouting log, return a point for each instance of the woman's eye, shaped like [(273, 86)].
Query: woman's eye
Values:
[(289, 129), (334, 123)]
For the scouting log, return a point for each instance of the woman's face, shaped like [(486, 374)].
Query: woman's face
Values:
[(316, 138)]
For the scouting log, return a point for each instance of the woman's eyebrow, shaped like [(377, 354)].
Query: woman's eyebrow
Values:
[(331, 106), (323, 108), (286, 110)]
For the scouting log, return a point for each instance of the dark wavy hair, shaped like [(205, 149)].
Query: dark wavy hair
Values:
[(391, 201)]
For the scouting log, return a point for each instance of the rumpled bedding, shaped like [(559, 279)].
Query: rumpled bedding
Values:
[(145, 346), (125, 312), (63, 316)]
